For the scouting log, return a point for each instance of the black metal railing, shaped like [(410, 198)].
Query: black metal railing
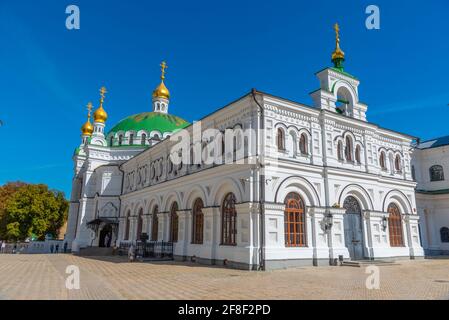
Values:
[(149, 249)]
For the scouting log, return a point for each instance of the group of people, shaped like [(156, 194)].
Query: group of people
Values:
[(12, 248), (55, 248)]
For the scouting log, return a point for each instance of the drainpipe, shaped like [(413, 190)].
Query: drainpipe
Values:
[(120, 199), (261, 186)]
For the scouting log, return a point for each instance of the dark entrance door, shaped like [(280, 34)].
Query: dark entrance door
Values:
[(105, 236), (353, 228)]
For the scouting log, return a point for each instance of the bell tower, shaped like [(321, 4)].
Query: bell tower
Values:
[(338, 90)]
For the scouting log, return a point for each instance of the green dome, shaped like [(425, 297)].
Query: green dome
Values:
[(150, 121)]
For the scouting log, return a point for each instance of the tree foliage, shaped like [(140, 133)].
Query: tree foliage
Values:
[(27, 209)]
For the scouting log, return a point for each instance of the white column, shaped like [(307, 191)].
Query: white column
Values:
[(133, 228), (211, 236), (274, 226), (180, 248), (162, 224), (337, 246), (319, 235), (411, 223)]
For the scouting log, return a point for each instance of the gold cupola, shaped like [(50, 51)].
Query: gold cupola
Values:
[(87, 129), (100, 114), (161, 91), (338, 56)]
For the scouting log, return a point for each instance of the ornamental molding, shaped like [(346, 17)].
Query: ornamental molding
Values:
[(278, 112), (339, 76)]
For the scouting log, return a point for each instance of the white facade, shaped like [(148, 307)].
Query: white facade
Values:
[(431, 167), (330, 157)]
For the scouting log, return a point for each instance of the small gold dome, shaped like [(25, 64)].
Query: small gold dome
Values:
[(338, 54), (100, 115), (87, 129), (161, 91)]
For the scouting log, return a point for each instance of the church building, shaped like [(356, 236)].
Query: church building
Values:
[(314, 184), (430, 167)]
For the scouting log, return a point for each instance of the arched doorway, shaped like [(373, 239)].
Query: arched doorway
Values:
[(105, 236), (353, 228)]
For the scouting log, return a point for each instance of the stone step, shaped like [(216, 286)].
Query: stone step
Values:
[(364, 263)]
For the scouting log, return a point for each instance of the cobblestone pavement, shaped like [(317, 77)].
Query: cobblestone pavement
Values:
[(44, 277)]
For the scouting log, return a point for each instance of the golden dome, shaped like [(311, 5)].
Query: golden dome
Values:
[(87, 129), (161, 91), (100, 114), (338, 54)]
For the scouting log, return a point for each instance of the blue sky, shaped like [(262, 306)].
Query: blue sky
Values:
[(216, 52)]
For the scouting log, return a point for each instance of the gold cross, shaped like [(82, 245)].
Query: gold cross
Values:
[(337, 32), (163, 67), (103, 92), (89, 109)]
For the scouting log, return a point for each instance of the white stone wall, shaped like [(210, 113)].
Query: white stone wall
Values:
[(432, 198)]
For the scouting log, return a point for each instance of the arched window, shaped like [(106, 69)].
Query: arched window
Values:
[(444, 233), (155, 226), (413, 173), (436, 173), (126, 236), (228, 222), (303, 144), (143, 139), (397, 163), (358, 152), (295, 221), (383, 163), (395, 226), (111, 141), (120, 140), (198, 221), (174, 222), (340, 151), (281, 139), (131, 139), (348, 149), (352, 206), (139, 224)]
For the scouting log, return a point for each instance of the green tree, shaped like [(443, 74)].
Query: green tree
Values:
[(6, 191), (34, 209)]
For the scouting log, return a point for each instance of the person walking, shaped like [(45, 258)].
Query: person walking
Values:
[(65, 247), (57, 248), (52, 248), (131, 253), (3, 248)]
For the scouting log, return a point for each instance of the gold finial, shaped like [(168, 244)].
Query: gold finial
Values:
[(87, 129), (163, 67), (161, 91), (338, 56), (337, 35), (102, 95), (89, 109), (100, 114)]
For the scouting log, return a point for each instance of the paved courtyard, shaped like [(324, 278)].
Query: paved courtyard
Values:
[(44, 277)]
